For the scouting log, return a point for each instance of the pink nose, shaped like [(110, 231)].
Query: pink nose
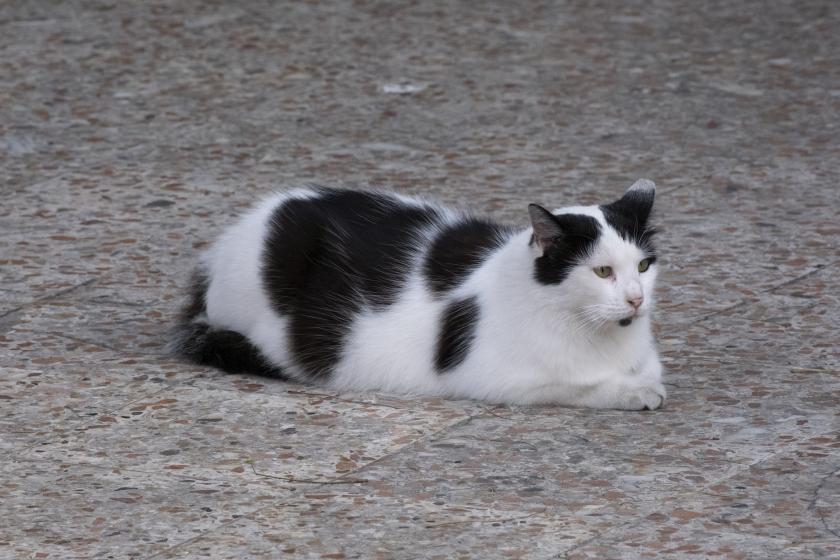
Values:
[(635, 302)]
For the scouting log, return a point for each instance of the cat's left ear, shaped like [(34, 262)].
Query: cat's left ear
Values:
[(637, 201), (546, 228)]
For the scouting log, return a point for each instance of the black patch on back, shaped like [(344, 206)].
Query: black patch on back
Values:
[(459, 249), (457, 331), (629, 217), (327, 258), (580, 234), (227, 350)]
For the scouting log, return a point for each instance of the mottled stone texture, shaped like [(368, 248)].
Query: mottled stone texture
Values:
[(131, 132)]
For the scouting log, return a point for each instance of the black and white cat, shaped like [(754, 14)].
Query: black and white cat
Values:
[(375, 290)]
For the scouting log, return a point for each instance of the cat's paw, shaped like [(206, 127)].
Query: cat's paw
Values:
[(644, 397)]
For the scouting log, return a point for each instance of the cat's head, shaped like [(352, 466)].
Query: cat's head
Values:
[(600, 258)]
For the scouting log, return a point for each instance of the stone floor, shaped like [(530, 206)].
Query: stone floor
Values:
[(132, 132)]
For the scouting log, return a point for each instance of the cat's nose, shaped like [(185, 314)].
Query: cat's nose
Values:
[(635, 302)]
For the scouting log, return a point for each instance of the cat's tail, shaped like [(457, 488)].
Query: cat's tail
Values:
[(195, 340)]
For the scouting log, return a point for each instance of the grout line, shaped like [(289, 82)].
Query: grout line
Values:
[(123, 353), (65, 291), (316, 482), (684, 359), (12, 311), (427, 437), (812, 504), (817, 269), (108, 302), (669, 190), (594, 537), (747, 301), (110, 466), (10, 319), (695, 320), (47, 297)]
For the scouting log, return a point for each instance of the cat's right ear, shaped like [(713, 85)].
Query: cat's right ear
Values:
[(546, 228)]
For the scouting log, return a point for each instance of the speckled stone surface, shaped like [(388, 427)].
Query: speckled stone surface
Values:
[(132, 132)]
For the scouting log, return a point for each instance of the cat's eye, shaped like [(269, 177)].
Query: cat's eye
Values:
[(644, 265), (603, 271)]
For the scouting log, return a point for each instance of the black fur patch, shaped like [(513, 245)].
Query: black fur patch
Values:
[(223, 349), (580, 234), (196, 304), (229, 351), (459, 249), (629, 216), (327, 258), (457, 331)]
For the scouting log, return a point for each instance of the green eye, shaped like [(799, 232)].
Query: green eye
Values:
[(644, 265), (603, 271)]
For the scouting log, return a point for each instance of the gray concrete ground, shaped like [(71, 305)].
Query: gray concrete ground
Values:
[(131, 132)]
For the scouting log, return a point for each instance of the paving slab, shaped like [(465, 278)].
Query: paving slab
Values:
[(111, 513), (775, 326), (132, 133), (206, 432), (781, 507), (54, 385), (335, 524)]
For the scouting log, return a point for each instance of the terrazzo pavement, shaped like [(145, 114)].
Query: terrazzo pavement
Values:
[(131, 133)]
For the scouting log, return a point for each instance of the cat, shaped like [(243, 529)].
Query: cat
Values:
[(370, 290)]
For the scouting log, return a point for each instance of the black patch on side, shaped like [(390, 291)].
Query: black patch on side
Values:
[(199, 343), (326, 258), (579, 235), (629, 216), (457, 331), (458, 250)]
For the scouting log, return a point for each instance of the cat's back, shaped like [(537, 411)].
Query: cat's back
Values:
[(346, 244), (293, 274), (318, 240)]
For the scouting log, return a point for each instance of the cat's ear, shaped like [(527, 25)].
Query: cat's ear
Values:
[(547, 229), (637, 201), (639, 198)]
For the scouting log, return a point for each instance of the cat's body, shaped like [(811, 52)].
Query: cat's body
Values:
[(372, 290)]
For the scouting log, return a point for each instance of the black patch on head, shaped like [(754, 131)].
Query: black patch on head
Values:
[(227, 350), (457, 331), (629, 216), (576, 237), (459, 249), (327, 258)]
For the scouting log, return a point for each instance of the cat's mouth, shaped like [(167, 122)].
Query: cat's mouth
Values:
[(625, 321)]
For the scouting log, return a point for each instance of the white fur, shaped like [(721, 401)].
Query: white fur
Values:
[(534, 343)]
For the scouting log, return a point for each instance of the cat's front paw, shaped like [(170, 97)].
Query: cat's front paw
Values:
[(644, 397)]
